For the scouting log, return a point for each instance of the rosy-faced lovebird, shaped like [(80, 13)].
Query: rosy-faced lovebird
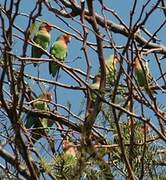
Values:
[(59, 51), (95, 86), (143, 76), (38, 124), (110, 63), (41, 39), (69, 148)]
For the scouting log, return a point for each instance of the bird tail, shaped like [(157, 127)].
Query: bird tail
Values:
[(36, 53), (53, 68)]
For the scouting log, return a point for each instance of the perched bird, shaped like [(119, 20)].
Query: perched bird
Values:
[(95, 86), (111, 63), (42, 39), (141, 126), (69, 148), (59, 50), (32, 121), (143, 75), (66, 161)]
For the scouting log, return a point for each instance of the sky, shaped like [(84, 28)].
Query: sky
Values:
[(122, 8), (75, 57)]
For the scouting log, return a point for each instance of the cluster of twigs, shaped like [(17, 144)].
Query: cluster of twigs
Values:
[(123, 133)]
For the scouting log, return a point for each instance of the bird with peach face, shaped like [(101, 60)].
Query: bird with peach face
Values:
[(143, 75), (41, 39), (95, 87), (59, 51), (69, 148), (111, 63), (39, 124)]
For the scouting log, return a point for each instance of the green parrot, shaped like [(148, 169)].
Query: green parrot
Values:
[(65, 164), (41, 39), (110, 63), (41, 103), (95, 86), (69, 148), (59, 51), (141, 126), (143, 75)]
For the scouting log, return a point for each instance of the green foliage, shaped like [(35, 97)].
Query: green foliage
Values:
[(62, 166), (109, 132)]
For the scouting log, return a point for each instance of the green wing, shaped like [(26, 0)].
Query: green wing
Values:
[(145, 79), (95, 87), (30, 120), (41, 39), (110, 69), (140, 75), (60, 53), (33, 121)]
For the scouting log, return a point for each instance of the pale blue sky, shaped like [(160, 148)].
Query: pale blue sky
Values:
[(122, 8)]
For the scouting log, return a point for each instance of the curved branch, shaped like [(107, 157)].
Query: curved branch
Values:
[(12, 160), (116, 28)]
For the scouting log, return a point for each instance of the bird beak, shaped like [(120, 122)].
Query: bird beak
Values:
[(50, 26), (132, 64), (69, 38)]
